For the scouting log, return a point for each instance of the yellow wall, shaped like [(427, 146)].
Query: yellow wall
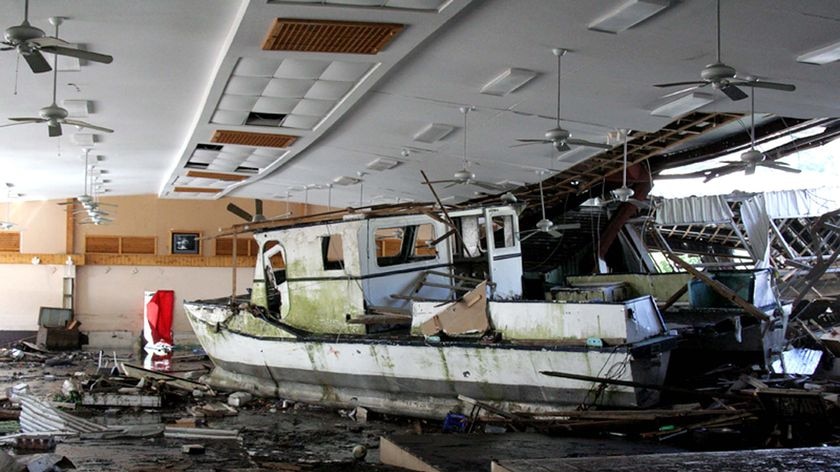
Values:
[(110, 298)]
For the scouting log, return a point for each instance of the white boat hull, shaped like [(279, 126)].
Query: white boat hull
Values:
[(412, 377)]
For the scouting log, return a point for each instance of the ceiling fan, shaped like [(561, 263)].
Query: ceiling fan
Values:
[(723, 77), (465, 176), (255, 218), (87, 200), (29, 41), (545, 225), (752, 158), (55, 115), (560, 138)]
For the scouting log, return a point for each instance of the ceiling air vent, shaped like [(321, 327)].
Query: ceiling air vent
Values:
[(245, 138), (216, 175), (196, 190), (265, 119), (350, 37), (208, 147)]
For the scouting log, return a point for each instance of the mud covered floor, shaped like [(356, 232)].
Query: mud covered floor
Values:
[(272, 435)]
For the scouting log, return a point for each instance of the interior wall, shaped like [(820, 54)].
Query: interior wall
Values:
[(110, 298), (24, 289)]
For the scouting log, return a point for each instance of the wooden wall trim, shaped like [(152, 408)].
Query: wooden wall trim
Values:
[(46, 259), (129, 260), (168, 260), (70, 231)]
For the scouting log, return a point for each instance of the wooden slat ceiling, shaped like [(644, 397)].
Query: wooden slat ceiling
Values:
[(350, 37), (245, 138), (202, 174), (196, 190)]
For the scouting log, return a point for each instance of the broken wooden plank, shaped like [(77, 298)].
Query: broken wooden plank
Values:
[(138, 372), (380, 319)]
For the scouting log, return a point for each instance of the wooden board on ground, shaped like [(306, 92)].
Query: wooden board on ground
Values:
[(817, 458), (459, 452)]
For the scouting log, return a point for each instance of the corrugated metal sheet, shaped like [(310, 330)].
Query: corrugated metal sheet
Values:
[(37, 416)]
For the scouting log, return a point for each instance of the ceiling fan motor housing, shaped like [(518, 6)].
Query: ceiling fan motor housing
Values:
[(557, 134), (717, 72), (463, 175), (544, 224), (752, 156), (20, 34), (53, 112), (623, 194)]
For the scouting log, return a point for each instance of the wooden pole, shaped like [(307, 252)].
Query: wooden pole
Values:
[(70, 231), (233, 272)]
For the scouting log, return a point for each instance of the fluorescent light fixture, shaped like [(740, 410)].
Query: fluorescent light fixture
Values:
[(628, 15), (683, 105), (84, 139), (345, 180), (821, 56), (508, 81), (77, 108), (383, 163), (433, 132)]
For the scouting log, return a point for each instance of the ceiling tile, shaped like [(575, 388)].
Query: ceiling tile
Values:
[(313, 107), (237, 103), (224, 117), (275, 105), (287, 88), (345, 71), (415, 4), (328, 90), (223, 166), (301, 122), (301, 69), (364, 3), (204, 156), (272, 153), (246, 85), (252, 67)]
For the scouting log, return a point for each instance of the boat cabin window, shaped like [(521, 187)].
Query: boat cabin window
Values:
[(405, 244), (332, 252), (275, 266), (503, 231)]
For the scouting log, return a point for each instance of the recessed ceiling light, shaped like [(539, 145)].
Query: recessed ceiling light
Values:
[(628, 15), (84, 139), (433, 132), (76, 108), (821, 56), (508, 81), (683, 105), (383, 163), (345, 180)]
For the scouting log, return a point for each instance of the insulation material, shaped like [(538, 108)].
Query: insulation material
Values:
[(693, 210), (467, 316)]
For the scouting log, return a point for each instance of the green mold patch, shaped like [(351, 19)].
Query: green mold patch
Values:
[(245, 322)]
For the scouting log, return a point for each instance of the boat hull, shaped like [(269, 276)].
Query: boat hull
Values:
[(412, 377)]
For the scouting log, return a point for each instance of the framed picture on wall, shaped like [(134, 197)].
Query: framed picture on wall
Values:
[(185, 242)]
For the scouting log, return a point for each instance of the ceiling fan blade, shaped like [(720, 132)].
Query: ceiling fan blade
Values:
[(733, 92), (733, 162), (454, 183), (699, 83), (528, 234), (529, 144), (233, 208), (562, 147), (441, 181), (54, 130), (562, 226), (749, 169), (768, 85), (488, 185), (258, 206), (779, 166), (534, 140), (78, 53), (583, 142), (554, 234), (37, 62), (29, 119), (83, 124), (682, 91)]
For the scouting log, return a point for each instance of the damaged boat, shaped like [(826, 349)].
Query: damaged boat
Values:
[(403, 309)]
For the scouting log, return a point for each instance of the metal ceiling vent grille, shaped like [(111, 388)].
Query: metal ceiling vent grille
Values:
[(245, 138), (350, 37)]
